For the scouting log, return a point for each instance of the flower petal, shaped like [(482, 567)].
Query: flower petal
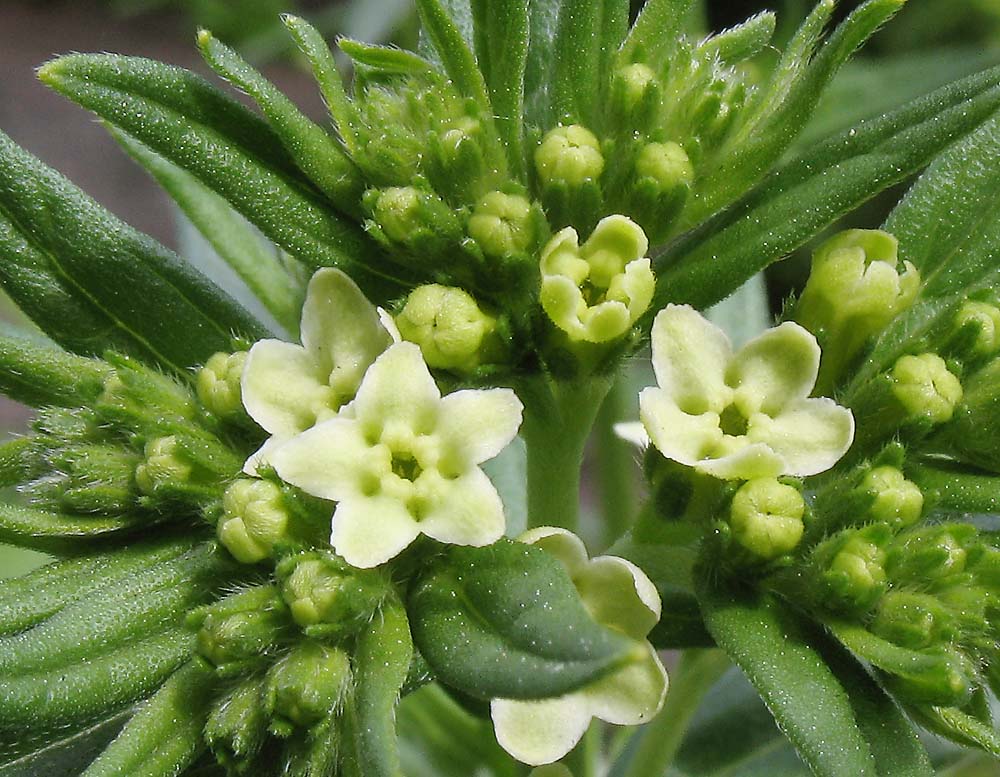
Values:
[(774, 369), (368, 531), (398, 389), (560, 543), (752, 461), (331, 461), (563, 302), (281, 387), (341, 330), (540, 732), (632, 695), (476, 424), (677, 435), (811, 435), (690, 355), (617, 593), (464, 511), (633, 432), (262, 456)]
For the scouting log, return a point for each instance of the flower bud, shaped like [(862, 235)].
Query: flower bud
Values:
[(931, 555), (971, 436), (237, 725), (415, 219), (570, 155), (456, 165), (766, 518), (235, 633), (95, 478), (452, 331), (218, 384), (855, 289), (143, 400), (321, 590), (947, 679), (597, 291), (164, 466), (912, 620), (851, 575), (661, 181), (308, 684), (254, 519), (925, 388), (503, 224), (897, 501), (983, 319), (634, 94), (664, 163)]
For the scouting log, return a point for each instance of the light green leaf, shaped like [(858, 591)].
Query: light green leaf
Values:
[(452, 46), (506, 621), (91, 282), (41, 374), (654, 35), (385, 59), (742, 41)]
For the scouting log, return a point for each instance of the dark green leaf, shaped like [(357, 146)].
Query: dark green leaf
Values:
[(164, 737), (809, 193), (501, 35), (39, 374), (778, 653), (92, 282), (196, 127), (506, 621), (52, 532), (541, 32), (65, 757)]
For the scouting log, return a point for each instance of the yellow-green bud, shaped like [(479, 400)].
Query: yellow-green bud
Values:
[(912, 620), (986, 320), (766, 518), (502, 224), (254, 519), (320, 591), (570, 154), (925, 387), (631, 85), (164, 464), (448, 325), (240, 628), (855, 289), (218, 384), (931, 555), (308, 684), (854, 577), (897, 501), (397, 211), (665, 163)]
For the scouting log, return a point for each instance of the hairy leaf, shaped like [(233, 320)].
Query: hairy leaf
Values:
[(41, 374)]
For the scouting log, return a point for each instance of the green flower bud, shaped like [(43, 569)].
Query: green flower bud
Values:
[(666, 164), (308, 684), (218, 384), (322, 590), (570, 155), (254, 520), (446, 322), (971, 436), (236, 633), (912, 620), (416, 219), (766, 518), (855, 289), (897, 501), (925, 388), (661, 182), (851, 574), (237, 725), (503, 224), (984, 320), (947, 680), (164, 466), (456, 166), (634, 90), (931, 555), (143, 400), (94, 478)]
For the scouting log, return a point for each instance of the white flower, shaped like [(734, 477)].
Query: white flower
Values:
[(619, 595), (289, 388), (740, 415), (401, 461)]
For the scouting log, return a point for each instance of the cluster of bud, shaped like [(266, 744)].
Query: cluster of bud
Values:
[(326, 596), (240, 632)]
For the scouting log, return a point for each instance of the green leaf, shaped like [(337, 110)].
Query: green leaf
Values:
[(451, 46), (588, 33), (232, 238), (385, 59), (501, 36), (27, 600), (164, 737), (316, 153), (92, 282), (34, 707), (505, 621), (382, 662), (779, 655), (52, 532), (961, 727), (956, 488), (182, 117), (40, 374), (542, 21), (809, 193), (654, 35), (64, 757), (742, 41)]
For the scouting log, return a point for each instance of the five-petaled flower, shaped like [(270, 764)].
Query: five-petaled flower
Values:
[(740, 415), (401, 460), (288, 388), (619, 595)]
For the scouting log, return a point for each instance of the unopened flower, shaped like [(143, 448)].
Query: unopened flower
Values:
[(619, 595), (740, 415), (288, 388), (401, 460)]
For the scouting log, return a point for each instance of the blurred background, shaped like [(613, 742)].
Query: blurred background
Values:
[(928, 44)]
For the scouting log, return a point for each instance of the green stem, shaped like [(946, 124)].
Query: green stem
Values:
[(697, 672), (558, 417), (616, 469)]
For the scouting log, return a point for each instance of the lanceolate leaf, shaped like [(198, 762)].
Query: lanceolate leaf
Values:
[(193, 125), (505, 621), (779, 655), (798, 200), (52, 532), (654, 34), (41, 374), (65, 756), (453, 48), (91, 282)]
